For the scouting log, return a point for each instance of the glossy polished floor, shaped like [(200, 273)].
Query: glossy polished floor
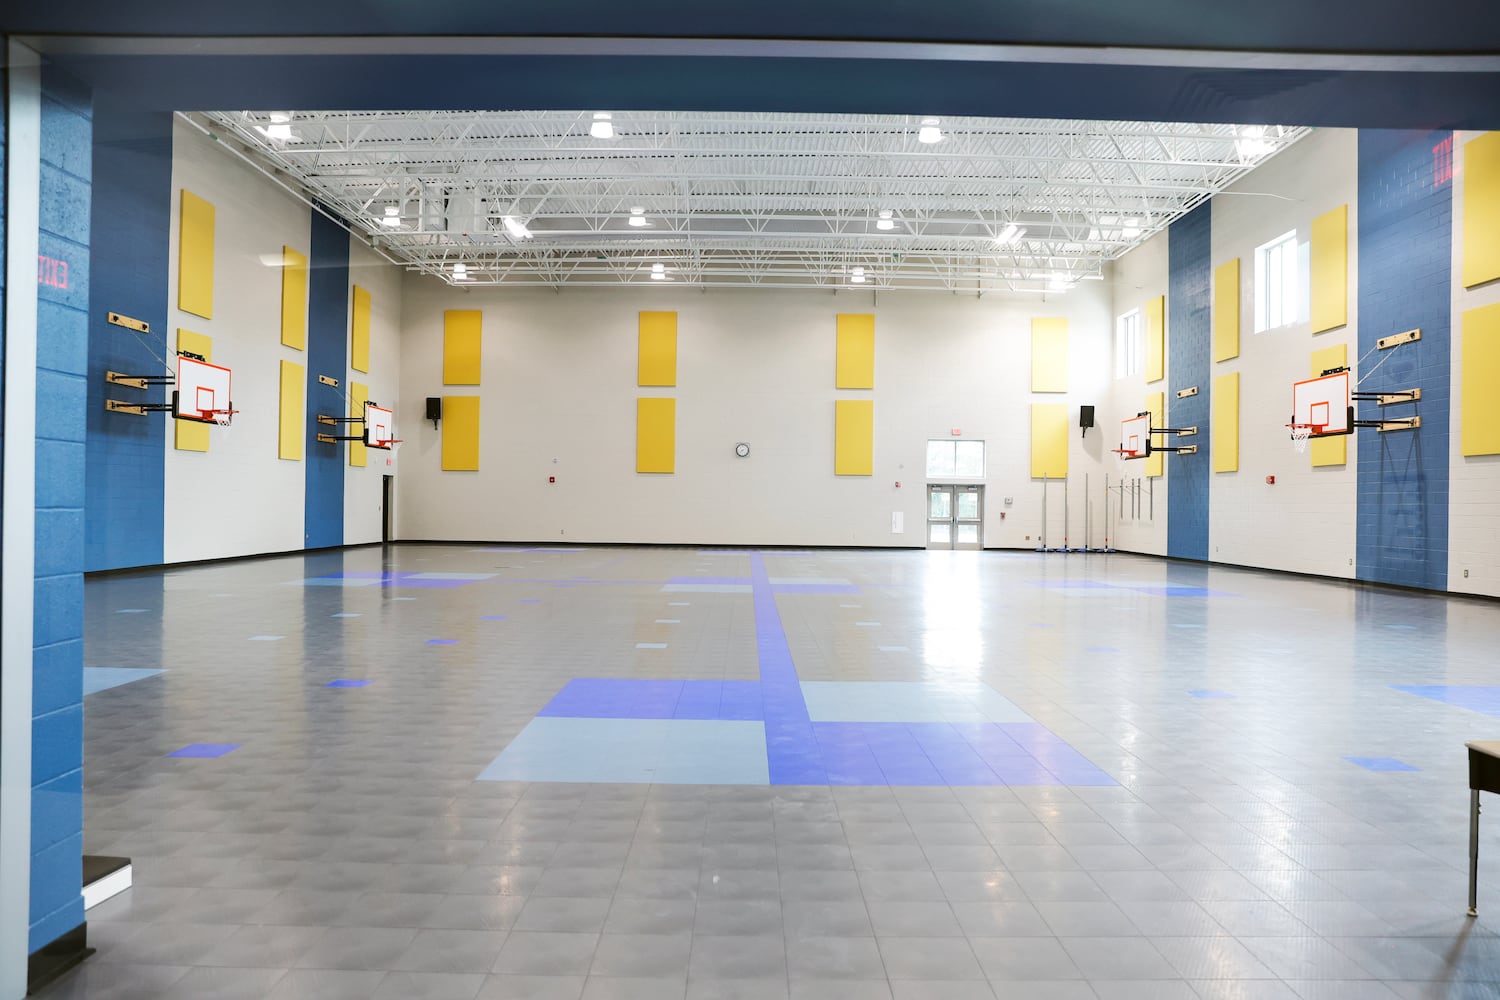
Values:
[(450, 771)]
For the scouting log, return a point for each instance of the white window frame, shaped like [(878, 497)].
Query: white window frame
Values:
[(1278, 284), (1128, 344), (953, 443)]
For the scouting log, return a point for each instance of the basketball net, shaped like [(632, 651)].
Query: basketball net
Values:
[(1300, 435)]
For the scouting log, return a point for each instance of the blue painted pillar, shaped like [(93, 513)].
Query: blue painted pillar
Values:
[(1189, 350), (327, 354)]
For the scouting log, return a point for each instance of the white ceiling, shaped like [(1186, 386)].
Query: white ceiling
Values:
[(772, 200)]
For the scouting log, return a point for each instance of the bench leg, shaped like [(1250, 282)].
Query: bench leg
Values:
[(1473, 852)]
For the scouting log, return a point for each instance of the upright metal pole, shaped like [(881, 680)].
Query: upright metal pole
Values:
[(1473, 852), (1065, 514), (1151, 496), (1088, 520), (1043, 546)]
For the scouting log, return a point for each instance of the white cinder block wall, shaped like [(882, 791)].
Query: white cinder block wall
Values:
[(1305, 522), (1474, 483), (1134, 280), (558, 399), (239, 498), (363, 487)]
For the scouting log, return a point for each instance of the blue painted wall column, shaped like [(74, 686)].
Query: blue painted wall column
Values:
[(132, 206), (1405, 246), (1189, 349), (327, 354), (62, 397)]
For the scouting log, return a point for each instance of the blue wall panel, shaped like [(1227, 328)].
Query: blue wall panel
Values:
[(327, 354), (56, 904), (1189, 348), (1405, 247), (130, 225)]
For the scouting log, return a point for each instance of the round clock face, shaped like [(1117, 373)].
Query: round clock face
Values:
[(742, 449)]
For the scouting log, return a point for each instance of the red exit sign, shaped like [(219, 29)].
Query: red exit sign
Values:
[(51, 272)]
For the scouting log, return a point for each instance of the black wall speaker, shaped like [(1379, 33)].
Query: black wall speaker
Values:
[(434, 409), (1085, 417)]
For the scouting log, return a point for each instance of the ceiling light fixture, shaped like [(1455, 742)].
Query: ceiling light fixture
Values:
[(1010, 234), (1058, 283), (658, 272), (1132, 229), (603, 126), (460, 271), (885, 221), (929, 132), (857, 276), (516, 228), (392, 218), (638, 216), (1254, 142)]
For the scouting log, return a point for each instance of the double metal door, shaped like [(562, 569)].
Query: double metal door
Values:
[(955, 517)]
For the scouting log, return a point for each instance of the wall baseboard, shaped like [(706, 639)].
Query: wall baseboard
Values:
[(50, 961), (157, 567)]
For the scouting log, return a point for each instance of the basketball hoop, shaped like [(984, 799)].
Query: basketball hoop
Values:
[(1302, 432), (221, 417), (1126, 452)]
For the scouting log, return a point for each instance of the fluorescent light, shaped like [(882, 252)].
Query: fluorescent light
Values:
[(658, 272), (857, 276), (1132, 229), (280, 117), (885, 221), (278, 132), (516, 228), (460, 271), (1010, 234), (929, 132), (602, 127), (1058, 283), (638, 216), (1254, 142), (392, 217)]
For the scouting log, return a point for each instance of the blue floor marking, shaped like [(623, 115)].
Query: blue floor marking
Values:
[(205, 750), (347, 684), (1474, 697), (1381, 764)]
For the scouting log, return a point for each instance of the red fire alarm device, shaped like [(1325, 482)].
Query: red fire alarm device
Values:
[(1270, 480), (551, 479)]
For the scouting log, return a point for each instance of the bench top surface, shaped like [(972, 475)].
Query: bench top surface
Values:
[(1490, 748)]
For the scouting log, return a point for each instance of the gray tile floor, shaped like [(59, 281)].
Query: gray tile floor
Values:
[(345, 849)]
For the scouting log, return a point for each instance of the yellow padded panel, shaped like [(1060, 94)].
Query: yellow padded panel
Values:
[(1156, 462), (655, 435), (460, 433), (293, 411), (1049, 355), (1049, 440), (855, 367), (195, 256), (854, 437), (1156, 339), (189, 435), (1329, 270), (1226, 418), (1481, 250), (1479, 423), (1227, 310), (461, 342), (656, 362), (1329, 450), (358, 393), (293, 299), (359, 331)]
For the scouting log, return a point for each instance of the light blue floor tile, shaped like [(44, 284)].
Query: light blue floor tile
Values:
[(906, 701), (653, 751), (705, 588), (97, 679)]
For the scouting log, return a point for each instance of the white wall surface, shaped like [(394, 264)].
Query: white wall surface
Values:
[(1305, 522), (362, 486), (1134, 280), (1474, 483), (558, 399), (237, 498)]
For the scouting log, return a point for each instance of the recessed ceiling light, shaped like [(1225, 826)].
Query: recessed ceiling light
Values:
[(392, 217), (929, 132), (516, 228), (1010, 234), (602, 127), (885, 221), (638, 216)]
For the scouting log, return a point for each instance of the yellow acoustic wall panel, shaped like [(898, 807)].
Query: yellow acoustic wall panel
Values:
[(460, 433), (1049, 355), (293, 411), (1481, 250), (1226, 417), (359, 331), (189, 435), (358, 393), (1049, 440), (1329, 450), (1227, 310), (1479, 430), (855, 367), (195, 256), (1156, 462), (293, 299), (656, 362), (655, 434), (1156, 339), (461, 343), (854, 437), (1329, 270)]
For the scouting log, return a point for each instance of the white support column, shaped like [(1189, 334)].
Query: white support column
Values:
[(17, 535)]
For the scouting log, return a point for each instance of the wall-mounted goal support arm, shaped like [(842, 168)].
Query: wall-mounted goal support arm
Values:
[(138, 381), (1388, 398), (1179, 431), (1393, 424), (138, 409)]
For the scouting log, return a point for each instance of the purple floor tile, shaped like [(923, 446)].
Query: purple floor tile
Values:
[(347, 684), (205, 750)]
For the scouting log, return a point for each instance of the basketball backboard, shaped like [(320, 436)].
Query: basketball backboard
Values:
[(1135, 436), (1322, 405), (202, 391), (380, 426)]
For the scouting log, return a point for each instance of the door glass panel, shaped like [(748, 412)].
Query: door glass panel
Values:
[(939, 532), (968, 534), (939, 504), (940, 460), (968, 506), (969, 463)]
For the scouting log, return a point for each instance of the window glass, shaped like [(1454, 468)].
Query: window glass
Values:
[(1277, 283), (955, 460)]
